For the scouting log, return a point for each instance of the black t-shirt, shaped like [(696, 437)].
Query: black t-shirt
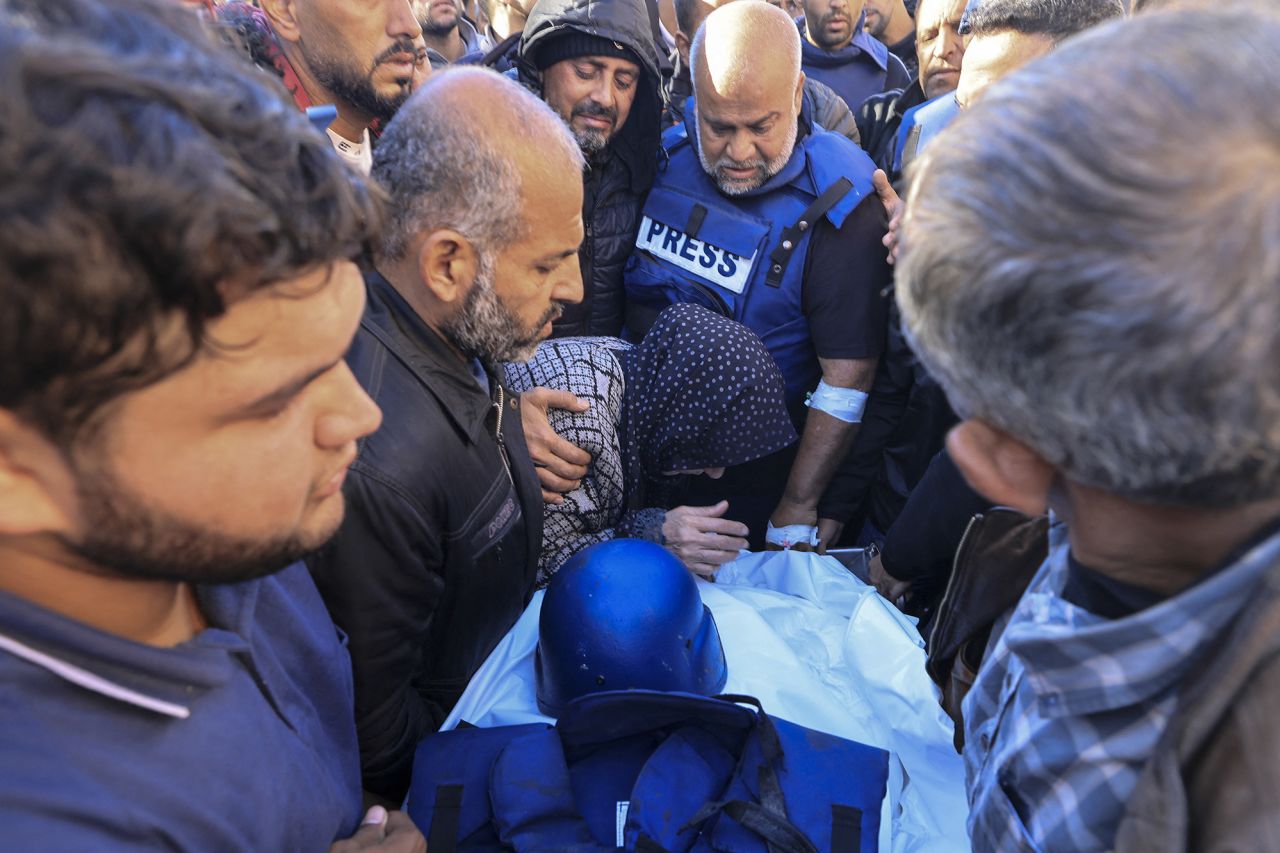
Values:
[(845, 294)]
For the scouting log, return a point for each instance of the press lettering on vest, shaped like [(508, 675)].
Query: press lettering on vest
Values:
[(671, 240), (703, 259), (708, 259), (689, 249)]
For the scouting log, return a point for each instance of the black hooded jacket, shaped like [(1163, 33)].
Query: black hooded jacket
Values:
[(617, 181)]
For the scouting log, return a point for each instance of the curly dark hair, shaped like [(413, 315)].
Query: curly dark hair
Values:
[(144, 169)]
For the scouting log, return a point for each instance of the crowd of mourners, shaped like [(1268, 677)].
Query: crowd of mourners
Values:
[(374, 313)]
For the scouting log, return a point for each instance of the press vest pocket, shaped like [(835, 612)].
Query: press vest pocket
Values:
[(709, 244)]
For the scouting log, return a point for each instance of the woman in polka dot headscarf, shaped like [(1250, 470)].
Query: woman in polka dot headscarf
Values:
[(700, 393)]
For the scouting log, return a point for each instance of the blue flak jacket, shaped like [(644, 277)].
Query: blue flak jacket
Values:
[(920, 125), (698, 245), (649, 771)]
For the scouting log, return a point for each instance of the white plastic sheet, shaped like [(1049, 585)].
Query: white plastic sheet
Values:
[(818, 647)]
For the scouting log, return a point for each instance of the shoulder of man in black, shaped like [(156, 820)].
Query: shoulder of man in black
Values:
[(847, 280)]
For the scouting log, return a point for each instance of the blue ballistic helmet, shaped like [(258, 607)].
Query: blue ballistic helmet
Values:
[(625, 614)]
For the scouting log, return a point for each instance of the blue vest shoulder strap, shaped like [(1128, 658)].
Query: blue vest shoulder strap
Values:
[(677, 135), (832, 157), (919, 125)]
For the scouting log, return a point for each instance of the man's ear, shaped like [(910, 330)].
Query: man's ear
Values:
[(447, 265), (683, 43), (800, 93), (37, 487), (1000, 467), (283, 17)]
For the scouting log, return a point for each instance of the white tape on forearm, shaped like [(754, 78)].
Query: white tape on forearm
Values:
[(847, 404), (790, 535)]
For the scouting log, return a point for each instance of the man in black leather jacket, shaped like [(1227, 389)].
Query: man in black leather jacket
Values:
[(439, 551), (596, 65)]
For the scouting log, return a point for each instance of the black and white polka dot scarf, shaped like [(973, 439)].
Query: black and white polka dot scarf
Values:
[(702, 392)]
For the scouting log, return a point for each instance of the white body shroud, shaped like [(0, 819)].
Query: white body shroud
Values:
[(817, 647)]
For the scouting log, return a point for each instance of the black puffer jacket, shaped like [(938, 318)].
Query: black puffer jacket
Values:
[(617, 182)]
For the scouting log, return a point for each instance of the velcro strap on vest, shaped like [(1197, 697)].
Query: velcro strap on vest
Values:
[(443, 837), (697, 216), (846, 829), (781, 255)]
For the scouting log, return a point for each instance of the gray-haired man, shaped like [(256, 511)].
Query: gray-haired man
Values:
[(1107, 320), (439, 552)]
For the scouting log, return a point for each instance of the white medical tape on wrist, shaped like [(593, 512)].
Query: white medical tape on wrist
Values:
[(847, 404), (790, 535)]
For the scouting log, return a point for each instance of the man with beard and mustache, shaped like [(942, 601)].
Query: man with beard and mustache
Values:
[(770, 220), (176, 421), (364, 59), (449, 36), (839, 52), (596, 65), (439, 552)]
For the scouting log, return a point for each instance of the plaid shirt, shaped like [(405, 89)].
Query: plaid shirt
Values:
[(1068, 706)]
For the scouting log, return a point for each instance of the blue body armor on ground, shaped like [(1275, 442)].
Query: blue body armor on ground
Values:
[(920, 125), (743, 256), (652, 772)]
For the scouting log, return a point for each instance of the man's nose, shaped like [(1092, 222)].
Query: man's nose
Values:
[(602, 93), (568, 286), (741, 147), (351, 413), (402, 22)]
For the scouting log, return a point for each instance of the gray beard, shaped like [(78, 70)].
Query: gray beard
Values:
[(767, 170), (486, 329), (592, 142)]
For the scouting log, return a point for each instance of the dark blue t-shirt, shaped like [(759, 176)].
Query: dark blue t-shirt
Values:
[(241, 739)]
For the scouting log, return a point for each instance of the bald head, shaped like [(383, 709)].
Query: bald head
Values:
[(726, 50), (466, 144), (747, 101)]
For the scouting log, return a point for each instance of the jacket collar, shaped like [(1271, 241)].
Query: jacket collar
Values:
[(391, 320)]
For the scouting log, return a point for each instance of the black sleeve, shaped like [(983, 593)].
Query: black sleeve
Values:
[(846, 494), (846, 278), (381, 578), (921, 545)]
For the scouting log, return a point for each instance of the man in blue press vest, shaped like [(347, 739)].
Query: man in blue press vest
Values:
[(774, 222)]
